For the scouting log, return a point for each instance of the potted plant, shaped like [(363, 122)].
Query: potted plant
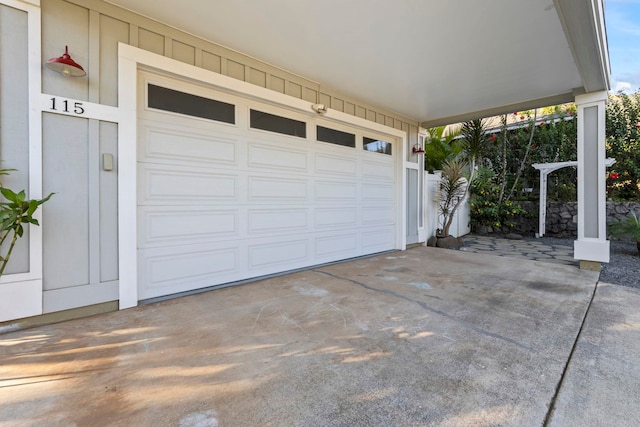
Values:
[(628, 227), (452, 191)]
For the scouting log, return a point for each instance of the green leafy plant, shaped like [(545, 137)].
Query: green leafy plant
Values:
[(623, 144), (439, 147), (487, 209), (15, 211), (628, 227)]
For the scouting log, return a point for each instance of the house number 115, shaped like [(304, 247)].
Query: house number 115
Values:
[(65, 106)]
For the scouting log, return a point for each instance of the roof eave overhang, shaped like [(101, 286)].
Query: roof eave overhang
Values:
[(583, 23), (521, 106)]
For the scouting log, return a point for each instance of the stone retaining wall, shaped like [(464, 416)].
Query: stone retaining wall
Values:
[(562, 217)]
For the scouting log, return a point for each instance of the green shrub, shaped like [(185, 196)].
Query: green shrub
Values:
[(486, 207)]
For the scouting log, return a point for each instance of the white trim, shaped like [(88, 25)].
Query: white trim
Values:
[(129, 60), (79, 296), (22, 292), (21, 301), (26, 5), (591, 250), (591, 98), (127, 183), (90, 110)]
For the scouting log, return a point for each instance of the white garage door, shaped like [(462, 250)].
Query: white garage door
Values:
[(230, 189)]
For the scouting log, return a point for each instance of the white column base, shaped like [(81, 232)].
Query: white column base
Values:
[(586, 249)]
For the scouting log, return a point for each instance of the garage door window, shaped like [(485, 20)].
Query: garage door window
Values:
[(175, 101), (337, 137), (376, 145), (278, 124)]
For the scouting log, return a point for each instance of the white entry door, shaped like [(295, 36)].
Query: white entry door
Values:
[(231, 189)]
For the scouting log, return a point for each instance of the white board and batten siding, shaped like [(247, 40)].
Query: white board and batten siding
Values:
[(220, 202)]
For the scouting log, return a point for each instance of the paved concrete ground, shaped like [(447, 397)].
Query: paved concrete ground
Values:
[(422, 337), (602, 384), (519, 249)]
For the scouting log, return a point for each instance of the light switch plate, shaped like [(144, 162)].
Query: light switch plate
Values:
[(107, 161)]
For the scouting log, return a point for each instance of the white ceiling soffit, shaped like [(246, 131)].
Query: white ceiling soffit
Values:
[(435, 61)]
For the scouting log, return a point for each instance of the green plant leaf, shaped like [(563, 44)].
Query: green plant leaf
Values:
[(8, 194)]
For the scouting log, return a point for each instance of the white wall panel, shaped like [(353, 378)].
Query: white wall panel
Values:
[(14, 117), (109, 205), (65, 172)]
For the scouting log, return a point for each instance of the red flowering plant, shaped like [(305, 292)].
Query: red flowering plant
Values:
[(623, 144)]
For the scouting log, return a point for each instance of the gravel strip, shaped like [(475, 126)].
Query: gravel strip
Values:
[(624, 264)]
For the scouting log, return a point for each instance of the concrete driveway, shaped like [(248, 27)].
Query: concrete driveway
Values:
[(421, 337)]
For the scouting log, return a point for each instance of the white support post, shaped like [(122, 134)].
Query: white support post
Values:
[(542, 221), (592, 246)]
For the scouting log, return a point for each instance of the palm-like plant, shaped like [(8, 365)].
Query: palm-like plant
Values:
[(439, 147), (476, 142), (628, 227), (453, 188)]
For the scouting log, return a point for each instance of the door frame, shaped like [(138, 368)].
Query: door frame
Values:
[(130, 59)]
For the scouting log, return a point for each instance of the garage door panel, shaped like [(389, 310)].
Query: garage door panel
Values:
[(165, 144), (377, 239), (171, 270), (336, 217), (285, 220), (277, 189), (286, 253), (336, 246), (378, 170), (372, 215), (334, 165), (173, 185), (377, 192), (336, 191), (269, 157), (177, 225)]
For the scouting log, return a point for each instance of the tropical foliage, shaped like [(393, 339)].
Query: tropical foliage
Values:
[(487, 208), (505, 152), (623, 143), (16, 211)]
